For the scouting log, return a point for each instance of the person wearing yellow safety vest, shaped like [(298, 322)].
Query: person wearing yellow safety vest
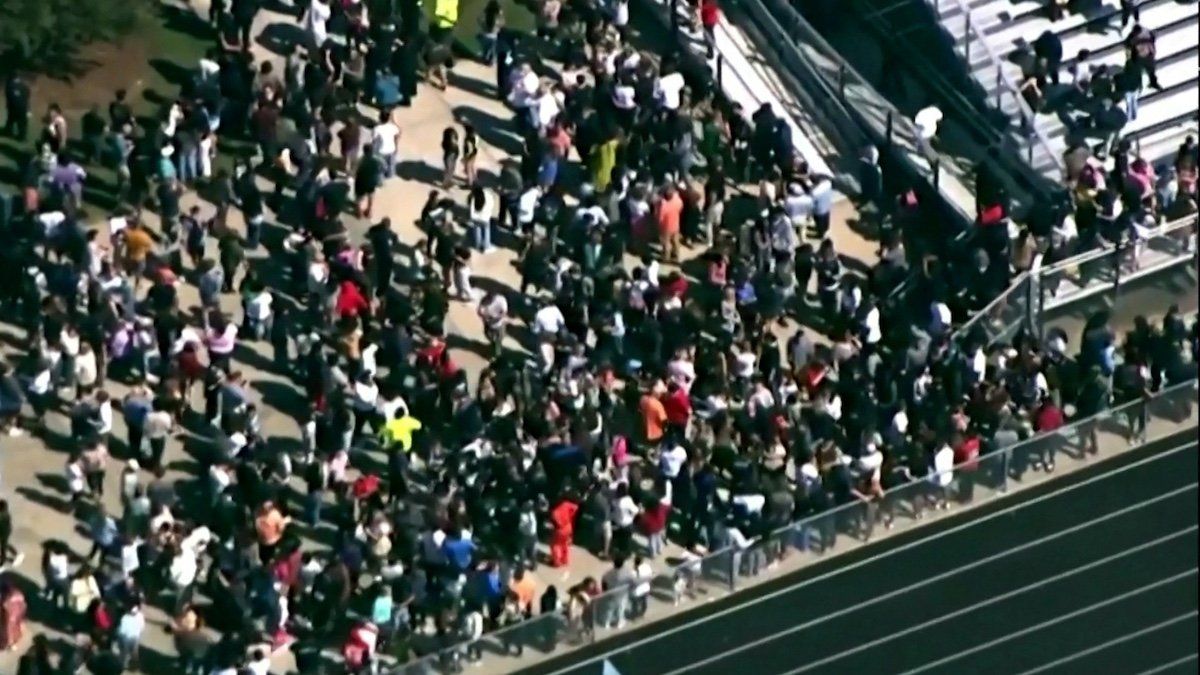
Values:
[(445, 14), (399, 432)]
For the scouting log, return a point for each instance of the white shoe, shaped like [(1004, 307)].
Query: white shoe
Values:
[(16, 431)]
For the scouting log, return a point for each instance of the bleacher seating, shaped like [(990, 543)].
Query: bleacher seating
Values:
[(1008, 26)]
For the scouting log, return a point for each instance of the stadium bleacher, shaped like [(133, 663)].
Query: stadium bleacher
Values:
[(1007, 27)]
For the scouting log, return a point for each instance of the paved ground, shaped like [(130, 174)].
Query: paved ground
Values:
[(31, 468), (1096, 572)]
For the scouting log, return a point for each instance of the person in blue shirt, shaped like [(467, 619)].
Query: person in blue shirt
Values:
[(459, 551)]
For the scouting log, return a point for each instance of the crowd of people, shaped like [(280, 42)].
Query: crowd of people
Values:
[(668, 402), (1113, 194)]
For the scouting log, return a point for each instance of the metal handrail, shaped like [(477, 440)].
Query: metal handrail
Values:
[(1107, 248), (1003, 79)]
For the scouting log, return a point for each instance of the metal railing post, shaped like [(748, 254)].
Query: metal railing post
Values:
[(675, 19), (889, 129), (999, 85), (937, 173), (967, 37), (842, 81), (720, 71)]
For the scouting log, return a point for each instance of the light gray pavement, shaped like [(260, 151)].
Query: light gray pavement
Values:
[(31, 469)]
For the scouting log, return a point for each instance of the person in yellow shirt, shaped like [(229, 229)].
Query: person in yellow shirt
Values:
[(399, 432), (138, 244)]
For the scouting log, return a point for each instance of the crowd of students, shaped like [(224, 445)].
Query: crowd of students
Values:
[(668, 402)]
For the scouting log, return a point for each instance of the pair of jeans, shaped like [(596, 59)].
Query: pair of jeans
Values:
[(389, 165), (187, 164), (655, 541), (253, 231), (1132, 101), (481, 234)]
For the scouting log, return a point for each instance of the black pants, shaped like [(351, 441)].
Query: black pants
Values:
[(135, 441), (95, 482), (17, 124), (821, 223), (1129, 10), (158, 447)]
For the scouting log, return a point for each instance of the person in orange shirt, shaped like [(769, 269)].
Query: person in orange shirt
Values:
[(523, 586), (668, 213), (563, 518), (138, 244), (654, 418)]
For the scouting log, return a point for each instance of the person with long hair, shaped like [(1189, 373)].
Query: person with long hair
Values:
[(470, 152), (450, 155)]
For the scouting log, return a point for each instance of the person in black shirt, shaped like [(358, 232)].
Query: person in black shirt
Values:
[(383, 242), (367, 179), (119, 112), (93, 133), (829, 279), (16, 101)]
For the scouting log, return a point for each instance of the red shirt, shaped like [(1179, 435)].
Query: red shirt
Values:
[(966, 454), (710, 13), (678, 406), (654, 518), (992, 215), (675, 288), (1048, 418), (350, 300)]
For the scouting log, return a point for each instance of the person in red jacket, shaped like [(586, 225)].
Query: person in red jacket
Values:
[(678, 406), (966, 460), (563, 518), (1048, 417), (653, 522), (350, 300), (710, 16)]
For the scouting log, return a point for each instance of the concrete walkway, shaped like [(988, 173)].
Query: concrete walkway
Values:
[(31, 467)]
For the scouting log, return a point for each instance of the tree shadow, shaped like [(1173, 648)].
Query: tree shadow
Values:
[(420, 172), (174, 73), (492, 130), (182, 19), (472, 85), (281, 38)]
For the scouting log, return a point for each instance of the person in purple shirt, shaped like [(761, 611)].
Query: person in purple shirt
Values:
[(67, 176)]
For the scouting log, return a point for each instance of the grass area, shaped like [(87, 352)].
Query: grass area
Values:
[(148, 63), (152, 61), (517, 16)]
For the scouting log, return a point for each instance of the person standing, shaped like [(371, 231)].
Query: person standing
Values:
[(470, 153), (450, 154), (563, 518), (387, 143), (6, 532), (668, 214), (367, 178), (16, 103)]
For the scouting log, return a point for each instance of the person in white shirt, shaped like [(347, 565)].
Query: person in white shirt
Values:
[(672, 460), (493, 312), (364, 400), (927, 121), (549, 320), (624, 512), (941, 476), (314, 20), (257, 309), (387, 143), (527, 207), (668, 90), (481, 205)]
